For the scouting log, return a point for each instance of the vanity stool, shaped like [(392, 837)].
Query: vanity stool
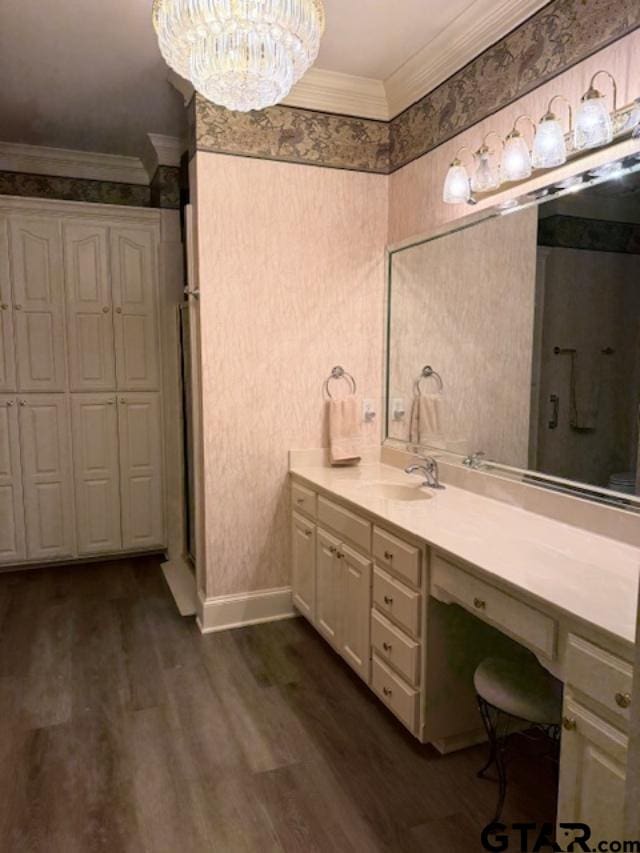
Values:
[(511, 691)]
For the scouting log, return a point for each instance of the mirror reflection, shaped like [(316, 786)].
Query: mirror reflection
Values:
[(518, 337)]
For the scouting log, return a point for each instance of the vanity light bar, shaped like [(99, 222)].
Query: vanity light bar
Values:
[(594, 127)]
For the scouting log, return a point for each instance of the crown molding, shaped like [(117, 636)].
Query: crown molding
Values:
[(64, 163), (161, 150), (477, 28), (345, 94)]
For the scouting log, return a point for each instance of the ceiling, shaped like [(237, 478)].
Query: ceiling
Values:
[(87, 74)]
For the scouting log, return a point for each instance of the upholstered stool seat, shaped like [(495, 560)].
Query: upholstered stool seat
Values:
[(520, 688), (512, 690)]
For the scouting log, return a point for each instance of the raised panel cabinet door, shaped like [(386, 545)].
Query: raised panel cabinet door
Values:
[(303, 569), (12, 541), (89, 310), (7, 355), (329, 570), (140, 439), (47, 476), (38, 303), (355, 643), (592, 775), (133, 271), (94, 427)]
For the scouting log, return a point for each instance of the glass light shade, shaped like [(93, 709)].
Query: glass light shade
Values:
[(242, 54), (593, 124), (486, 176), (456, 185), (633, 122), (549, 147), (516, 160)]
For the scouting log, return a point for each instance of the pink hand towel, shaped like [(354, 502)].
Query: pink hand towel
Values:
[(345, 439)]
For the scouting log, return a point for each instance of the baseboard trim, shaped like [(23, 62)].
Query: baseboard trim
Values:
[(247, 608)]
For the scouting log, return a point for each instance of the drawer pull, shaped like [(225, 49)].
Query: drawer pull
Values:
[(340, 555), (4, 306), (387, 691), (569, 723), (479, 604), (387, 647), (300, 500), (388, 555), (308, 532), (623, 700), (388, 600), (18, 307)]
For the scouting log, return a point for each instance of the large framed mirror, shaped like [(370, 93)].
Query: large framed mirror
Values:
[(515, 335)]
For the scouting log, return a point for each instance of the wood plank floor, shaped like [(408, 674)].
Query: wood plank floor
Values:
[(124, 729)]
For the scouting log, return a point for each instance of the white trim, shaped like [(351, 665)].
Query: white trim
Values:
[(64, 163), (181, 581), (247, 608), (329, 91), (472, 32)]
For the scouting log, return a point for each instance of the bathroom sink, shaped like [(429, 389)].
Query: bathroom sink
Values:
[(398, 492)]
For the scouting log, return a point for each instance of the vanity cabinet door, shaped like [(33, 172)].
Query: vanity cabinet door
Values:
[(133, 274), (303, 580), (7, 356), (355, 600), (89, 310), (12, 540), (328, 587), (592, 774), (45, 450), (38, 303)]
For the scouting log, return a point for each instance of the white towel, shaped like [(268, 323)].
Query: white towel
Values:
[(426, 420), (345, 439)]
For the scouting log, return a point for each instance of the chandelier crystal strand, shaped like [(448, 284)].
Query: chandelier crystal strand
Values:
[(242, 54)]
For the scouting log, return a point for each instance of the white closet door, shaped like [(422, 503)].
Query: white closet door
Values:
[(94, 419), (133, 275), (7, 359), (89, 309), (37, 273), (12, 542), (47, 476), (140, 470)]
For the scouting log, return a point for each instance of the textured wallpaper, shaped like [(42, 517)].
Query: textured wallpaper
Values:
[(292, 283)]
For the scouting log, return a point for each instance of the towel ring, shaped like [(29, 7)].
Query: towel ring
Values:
[(428, 373), (339, 373)]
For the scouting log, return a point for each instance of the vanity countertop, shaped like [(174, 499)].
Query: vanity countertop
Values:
[(587, 576)]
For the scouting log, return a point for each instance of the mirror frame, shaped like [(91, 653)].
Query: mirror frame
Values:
[(617, 159)]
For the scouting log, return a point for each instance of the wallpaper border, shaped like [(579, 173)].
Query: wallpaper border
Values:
[(560, 35)]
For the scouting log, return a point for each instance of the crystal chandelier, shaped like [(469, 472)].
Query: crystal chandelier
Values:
[(242, 54)]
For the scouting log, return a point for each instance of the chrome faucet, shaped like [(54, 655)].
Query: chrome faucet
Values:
[(474, 461), (429, 467)]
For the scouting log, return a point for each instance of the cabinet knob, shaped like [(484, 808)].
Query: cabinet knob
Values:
[(340, 555), (332, 549), (388, 600), (106, 309), (569, 723), (18, 307), (388, 555), (387, 691), (110, 402), (479, 604), (118, 310), (623, 700), (10, 403), (123, 401), (299, 500), (22, 402), (308, 532), (4, 306), (387, 647)]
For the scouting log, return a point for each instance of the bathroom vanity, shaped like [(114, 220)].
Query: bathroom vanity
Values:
[(413, 587)]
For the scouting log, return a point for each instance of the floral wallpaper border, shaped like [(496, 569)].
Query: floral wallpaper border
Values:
[(560, 35), (164, 191), (596, 235)]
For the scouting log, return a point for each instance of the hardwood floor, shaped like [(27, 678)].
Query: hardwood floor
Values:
[(124, 729)]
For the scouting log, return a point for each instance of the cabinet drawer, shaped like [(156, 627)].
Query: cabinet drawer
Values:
[(400, 697), (397, 556), (396, 600), (601, 676), (303, 499), (396, 648), (345, 523), (533, 628)]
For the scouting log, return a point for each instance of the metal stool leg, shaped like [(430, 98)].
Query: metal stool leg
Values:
[(496, 724)]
